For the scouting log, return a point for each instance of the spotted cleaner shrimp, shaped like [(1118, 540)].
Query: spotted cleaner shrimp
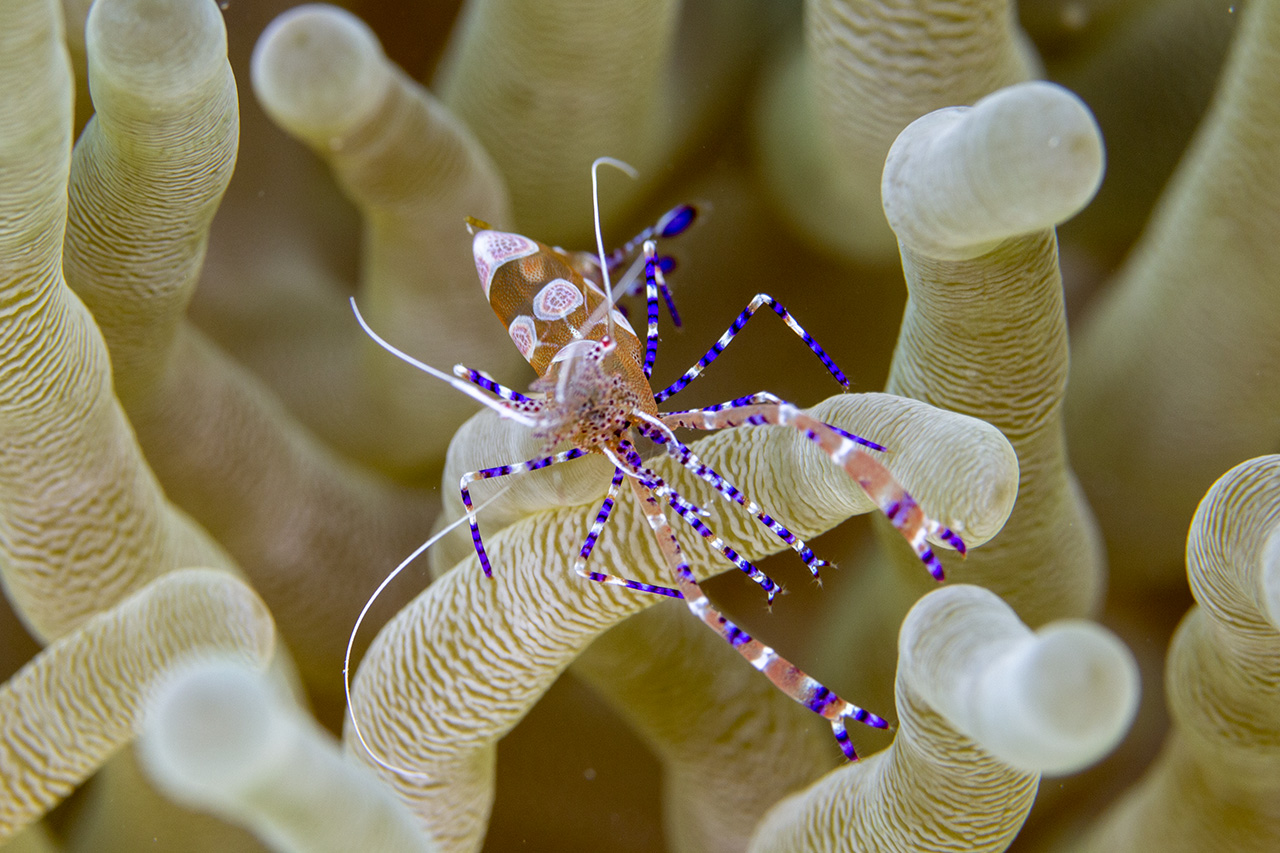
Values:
[(593, 393)]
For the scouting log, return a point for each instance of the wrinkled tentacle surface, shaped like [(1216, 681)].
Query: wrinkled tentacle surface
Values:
[(415, 171), (220, 739), (83, 698), (1217, 780), (534, 617), (833, 109), (666, 676), (1154, 378), (281, 432), (83, 521), (516, 85), (986, 706), (985, 330), (146, 177)]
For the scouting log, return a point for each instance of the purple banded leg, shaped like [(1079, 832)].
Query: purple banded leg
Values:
[(766, 397), (872, 477), (483, 380), (707, 474), (691, 513), (784, 675), (502, 471), (665, 266), (738, 324), (580, 565), (656, 278), (652, 277), (673, 223)]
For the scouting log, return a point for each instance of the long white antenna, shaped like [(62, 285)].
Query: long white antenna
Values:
[(626, 169), (351, 640), (464, 387)]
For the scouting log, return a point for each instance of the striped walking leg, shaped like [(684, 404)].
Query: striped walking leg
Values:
[(580, 564), (483, 380), (707, 474), (871, 476), (712, 354), (691, 513), (652, 281), (784, 675), (766, 397), (502, 471)]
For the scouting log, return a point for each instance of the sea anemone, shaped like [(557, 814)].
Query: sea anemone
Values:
[(206, 468)]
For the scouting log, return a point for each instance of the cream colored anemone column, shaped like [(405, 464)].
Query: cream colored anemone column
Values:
[(550, 85), (83, 521), (1216, 785), (219, 738), (868, 70), (460, 666), (82, 699), (973, 194), (415, 172), (147, 175), (313, 531), (1177, 370), (986, 706)]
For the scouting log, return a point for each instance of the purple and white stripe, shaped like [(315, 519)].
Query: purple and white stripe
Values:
[(686, 457), (785, 675), (652, 276), (589, 544), (737, 326), (483, 380), (502, 471)]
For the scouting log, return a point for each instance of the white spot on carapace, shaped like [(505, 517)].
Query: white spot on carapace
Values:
[(524, 334), (556, 300), (492, 249)]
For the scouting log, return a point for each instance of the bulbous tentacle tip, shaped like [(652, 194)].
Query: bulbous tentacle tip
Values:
[(1233, 547), (158, 47), (209, 730), (963, 469), (218, 735), (960, 180), (319, 71), (1052, 701), (1061, 700)]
